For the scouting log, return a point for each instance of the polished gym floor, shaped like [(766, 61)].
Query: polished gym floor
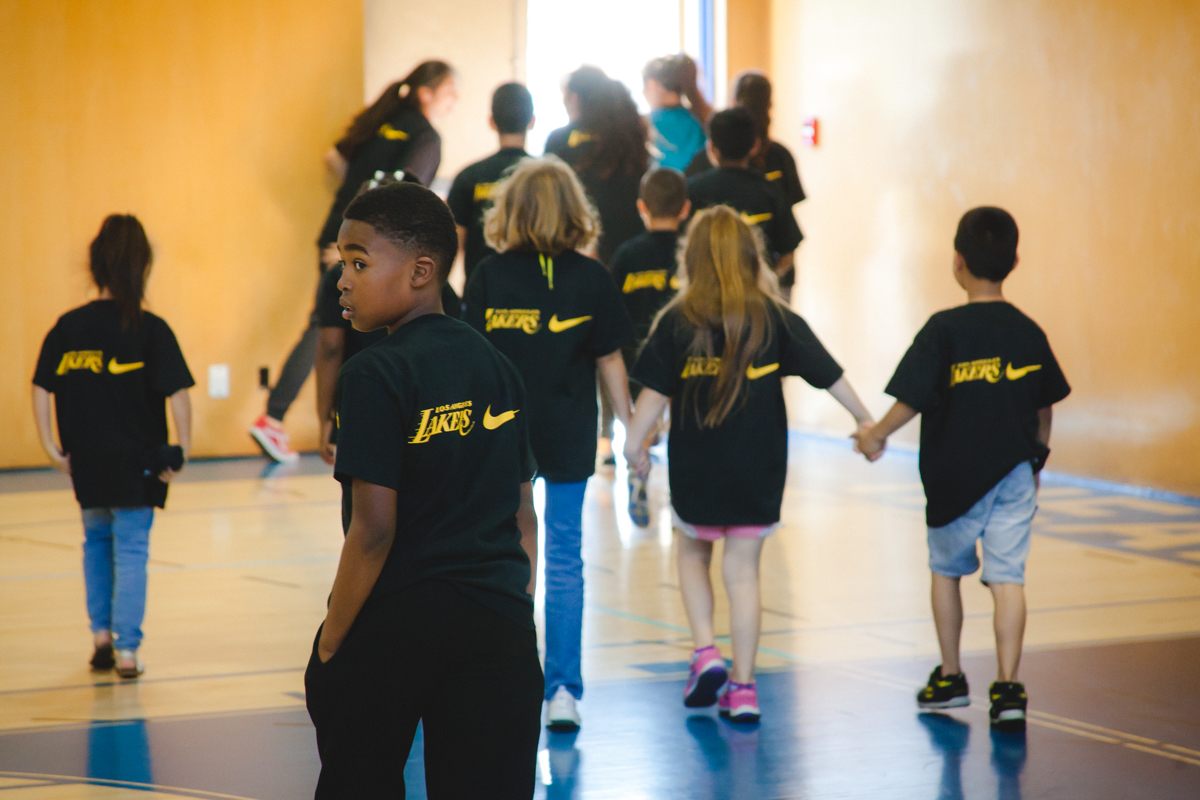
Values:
[(243, 558)]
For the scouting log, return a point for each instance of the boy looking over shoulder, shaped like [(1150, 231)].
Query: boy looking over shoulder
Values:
[(431, 614), (983, 378)]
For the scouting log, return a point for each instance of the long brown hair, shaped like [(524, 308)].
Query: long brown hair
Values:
[(400, 95), (618, 133), (727, 291), (119, 258), (752, 91), (678, 74)]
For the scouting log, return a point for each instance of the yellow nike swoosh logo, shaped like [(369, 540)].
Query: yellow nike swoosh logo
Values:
[(388, 132), (754, 219), (754, 373), (118, 369), (491, 423), (558, 327), (1017, 374)]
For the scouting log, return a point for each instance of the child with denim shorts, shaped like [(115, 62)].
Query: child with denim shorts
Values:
[(983, 378)]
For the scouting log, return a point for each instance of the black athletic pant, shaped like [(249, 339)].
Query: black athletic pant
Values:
[(428, 653)]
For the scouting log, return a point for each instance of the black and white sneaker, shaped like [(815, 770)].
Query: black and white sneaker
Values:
[(944, 691), (1009, 702)]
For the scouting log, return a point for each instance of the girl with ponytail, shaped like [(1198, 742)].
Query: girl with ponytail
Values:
[(676, 129), (395, 133), (718, 354), (111, 368)]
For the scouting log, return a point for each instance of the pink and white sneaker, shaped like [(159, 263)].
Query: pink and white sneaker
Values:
[(706, 677), (273, 441), (739, 703)]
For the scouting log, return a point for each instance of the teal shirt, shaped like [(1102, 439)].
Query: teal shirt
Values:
[(677, 135)]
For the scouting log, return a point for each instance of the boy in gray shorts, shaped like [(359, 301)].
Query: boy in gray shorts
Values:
[(983, 378)]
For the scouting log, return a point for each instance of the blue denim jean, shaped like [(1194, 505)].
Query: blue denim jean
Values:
[(116, 545), (564, 587)]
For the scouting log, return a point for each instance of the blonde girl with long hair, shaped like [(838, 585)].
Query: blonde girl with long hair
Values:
[(718, 354), (560, 318)]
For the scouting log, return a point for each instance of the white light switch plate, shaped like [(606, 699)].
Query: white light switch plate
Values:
[(218, 381)]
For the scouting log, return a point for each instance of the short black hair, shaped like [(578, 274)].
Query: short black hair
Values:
[(411, 217), (733, 133), (512, 108), (987, 241), (664, 191)]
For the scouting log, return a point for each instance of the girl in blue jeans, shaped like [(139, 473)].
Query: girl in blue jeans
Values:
[(560, 318), (111, 367)]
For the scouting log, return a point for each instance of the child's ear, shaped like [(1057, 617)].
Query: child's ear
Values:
[(642, 208), (686, 211), (492, 123), (532, 122), (424, 270)]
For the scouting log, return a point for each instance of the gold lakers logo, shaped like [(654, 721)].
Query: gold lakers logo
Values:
[(698, 365), (81, 359), (655, 279), (521, 319), (443, 419), (981, 369), (483, 191)]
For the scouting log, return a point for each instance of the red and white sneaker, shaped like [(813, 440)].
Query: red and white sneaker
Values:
[(739, 703), (705, 678), (273, 441)]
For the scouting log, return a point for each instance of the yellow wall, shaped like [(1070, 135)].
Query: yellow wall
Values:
[(1079, 116), (206, 119), (748, 36), (484, 40)]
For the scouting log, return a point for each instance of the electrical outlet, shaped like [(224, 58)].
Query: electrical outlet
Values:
[(218, 381)]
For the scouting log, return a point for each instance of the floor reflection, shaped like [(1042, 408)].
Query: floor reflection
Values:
[(951, 738)]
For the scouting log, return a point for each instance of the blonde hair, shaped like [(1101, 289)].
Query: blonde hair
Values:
[(540, 206), (727, 289)]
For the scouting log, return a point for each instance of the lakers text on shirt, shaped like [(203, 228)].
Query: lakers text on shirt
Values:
[(524, 319), (443, 419)]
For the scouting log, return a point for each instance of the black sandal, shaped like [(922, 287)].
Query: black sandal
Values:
[(102, 659)]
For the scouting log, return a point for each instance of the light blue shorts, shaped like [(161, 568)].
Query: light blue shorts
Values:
[(1002, 519)]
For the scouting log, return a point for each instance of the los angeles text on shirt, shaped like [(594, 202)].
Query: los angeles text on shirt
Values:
[(456, 417), (698, 365), (987, 369)]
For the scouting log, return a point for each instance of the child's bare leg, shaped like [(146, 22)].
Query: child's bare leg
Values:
[(695, 558), (948, 619), (739, 568), (1010, 627)]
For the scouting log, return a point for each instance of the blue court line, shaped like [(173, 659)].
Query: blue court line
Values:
[(218, 676)]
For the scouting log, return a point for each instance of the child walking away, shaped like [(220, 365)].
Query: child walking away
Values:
[(471, 193), (431, 614), (395, 133), (733, 142), (557, 315), (718, 354), (644, 270), (112, 367), (676, 132), (983, 378)]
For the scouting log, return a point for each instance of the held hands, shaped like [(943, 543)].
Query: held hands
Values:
[(867, 443), (638, 457)]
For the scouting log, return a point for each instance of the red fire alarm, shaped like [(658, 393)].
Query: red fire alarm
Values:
[(810, 131)]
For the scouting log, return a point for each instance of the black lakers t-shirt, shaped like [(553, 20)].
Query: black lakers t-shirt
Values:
[(471, 195), (779, 168), (615, 197), (436, 413), (110, 386), (977, 374), (407, 142), (732, 474), (553, 316), (644, 271), (755, 198)]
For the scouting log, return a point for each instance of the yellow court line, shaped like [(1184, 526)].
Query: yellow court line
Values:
[(1089, 726), (1182, 749), (1078, 732), (1185, 759), (125, 785)]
